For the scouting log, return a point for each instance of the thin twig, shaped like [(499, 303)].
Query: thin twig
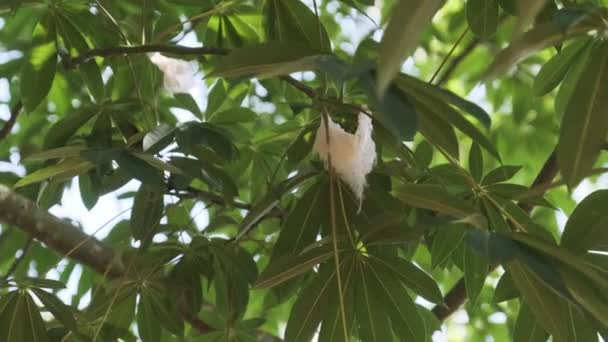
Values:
[(8, 126), (447, 57), (140, 49)]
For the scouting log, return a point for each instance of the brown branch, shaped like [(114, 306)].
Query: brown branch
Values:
[(458, 294), (194, 321), (8, 126)]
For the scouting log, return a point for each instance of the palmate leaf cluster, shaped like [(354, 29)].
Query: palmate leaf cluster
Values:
[(495, 99)]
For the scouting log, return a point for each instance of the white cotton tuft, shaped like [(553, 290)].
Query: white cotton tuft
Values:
[(180, 76), (352, 155)]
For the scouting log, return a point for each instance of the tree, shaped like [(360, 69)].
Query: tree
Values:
[(486, 116)]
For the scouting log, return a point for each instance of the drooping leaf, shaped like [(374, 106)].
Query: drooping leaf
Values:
[(445, 241), (147, 321), (409, 19), (269, 59), (586, 226), (413, 277), (505, 289), (433, 197), (21, 320), (542, 302), (554, 71), (147, 212), (404, 316), (288, 267), (62, 312), (373, 324), (538, 38), (584, 126), (527, 328), (475, 271), (66, 168), (501, 174), (482, 16), (38, 71), (76, 45), (307, 311), (476, 162), (293, 21), (434, 100), (303, 222)]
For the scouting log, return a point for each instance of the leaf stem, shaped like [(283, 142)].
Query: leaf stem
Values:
[(334, 232)]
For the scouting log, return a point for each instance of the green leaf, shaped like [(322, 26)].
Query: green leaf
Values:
[(482, 16), (307, 311), (496, 221), (589, 294), (76, 45), (445, 241), (538, 38), (542, 302), (475, 269), (437, 131), (66, 168), (61, 131), (554, 71), (373, 324), (158, 138), (433, 197), (234, 116), (268, 59), (55, 153), (147, 321), (332, 327), (38, 71), (393, 110), (476, 162), (500, 174), (140, 170), (434, 101), (411, 276), (303, 222), (527, 328), (146, 214), (293, 21), (404, 316), (21, 319), (43, 283), (587, 224), (408, 21), (585, 125), (572, 78), (62, 312), (505, 289), (193, 135), (288, 267), (465, 105)]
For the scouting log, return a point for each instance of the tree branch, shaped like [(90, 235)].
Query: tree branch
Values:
[(458, 294), (68, 240), (71, 62), (8, 126)]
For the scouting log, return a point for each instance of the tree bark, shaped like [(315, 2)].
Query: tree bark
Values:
[(60, 235)]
